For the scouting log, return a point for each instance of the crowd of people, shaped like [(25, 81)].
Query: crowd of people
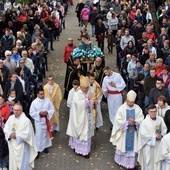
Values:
[(27, 35), (139, 130)]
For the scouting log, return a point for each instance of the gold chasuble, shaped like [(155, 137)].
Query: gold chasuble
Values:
[(53, 92)]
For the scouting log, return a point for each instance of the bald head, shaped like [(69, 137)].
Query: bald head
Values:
[(98, 61)]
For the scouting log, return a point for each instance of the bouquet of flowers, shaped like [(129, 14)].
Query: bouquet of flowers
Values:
[(87, 54)]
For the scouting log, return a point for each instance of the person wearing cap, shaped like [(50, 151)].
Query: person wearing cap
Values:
[(151, 131), (125, 132), (80, 126), (112, 87), (10, 64)]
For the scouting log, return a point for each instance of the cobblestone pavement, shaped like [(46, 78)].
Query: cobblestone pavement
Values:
[(61, 156)]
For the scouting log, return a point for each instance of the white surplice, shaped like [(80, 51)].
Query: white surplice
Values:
[(163, 154), (70, 97), (41, 134), (22, 150), (114, 100), (147, 143)]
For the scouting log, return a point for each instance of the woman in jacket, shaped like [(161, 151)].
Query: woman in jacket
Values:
[(162, 106), (85, 13), (13, 83)]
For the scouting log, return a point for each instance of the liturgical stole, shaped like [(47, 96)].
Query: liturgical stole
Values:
[(130, 134)]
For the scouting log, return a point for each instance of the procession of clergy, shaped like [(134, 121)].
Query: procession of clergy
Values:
[(135, 138)]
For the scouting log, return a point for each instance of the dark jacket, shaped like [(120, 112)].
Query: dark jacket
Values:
[(99, 29), (137, 33), (3, 144), (141, 76), (92, 17), (18, 89), (6, 42), (155, 93), (149, 84), (5, 72), (167, 120)]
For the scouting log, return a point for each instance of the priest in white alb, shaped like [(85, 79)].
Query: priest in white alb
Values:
[(42, 110), (80, 126), (125, 132), (151, 131), (163, 154), (19, 134), (112, 87)]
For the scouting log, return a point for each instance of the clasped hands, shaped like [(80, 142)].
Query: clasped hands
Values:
[(13, 135), (112, 84), (131, 122), (43, 113), (158, 136)]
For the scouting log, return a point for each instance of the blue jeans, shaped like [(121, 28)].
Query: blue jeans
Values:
[(3, 162), (93, 29)]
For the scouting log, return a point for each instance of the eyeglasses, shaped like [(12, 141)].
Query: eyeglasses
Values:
[(50, 79), (21, 62), (8, 55)]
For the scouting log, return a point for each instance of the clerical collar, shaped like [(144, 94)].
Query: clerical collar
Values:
[(91, 84), (153, 118)]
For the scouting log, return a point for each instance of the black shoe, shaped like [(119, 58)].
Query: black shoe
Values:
[(46, 150), (97, 129), (111, 127), (52, 49), (87, 156), (38, 155)]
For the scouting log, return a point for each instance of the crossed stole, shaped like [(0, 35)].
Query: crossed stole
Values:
[(55, 98), (130, 134)]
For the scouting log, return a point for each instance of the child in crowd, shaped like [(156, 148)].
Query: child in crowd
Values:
[(75, 84), (12, 96)]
